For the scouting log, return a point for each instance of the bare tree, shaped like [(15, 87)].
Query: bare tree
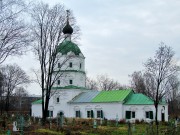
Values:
[(21, 92), (13, 78), (91, 84), (144, 83), (1, 93), (137, 82), (18, 96), (173, 95), (106, 83), (14, 37), (161, 68), (48, 24)]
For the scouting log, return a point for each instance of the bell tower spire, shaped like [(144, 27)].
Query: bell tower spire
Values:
[(67, 30)]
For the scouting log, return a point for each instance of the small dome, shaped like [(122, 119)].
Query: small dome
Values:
[(67, 29)]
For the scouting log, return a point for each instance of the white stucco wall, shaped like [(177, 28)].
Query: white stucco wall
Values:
[(75, 59), (64, 97), (36, 110), (75, 73), (141, 109), (77, 77), (110, 110)]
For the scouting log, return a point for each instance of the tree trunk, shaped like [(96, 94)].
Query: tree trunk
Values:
[(45, 111), (7, 104), (156, 107), (156, 119), (43, 118)]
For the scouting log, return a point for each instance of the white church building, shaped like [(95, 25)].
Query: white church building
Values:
[(72, 99)]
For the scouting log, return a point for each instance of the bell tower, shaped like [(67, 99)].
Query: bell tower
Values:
[(71, 63)]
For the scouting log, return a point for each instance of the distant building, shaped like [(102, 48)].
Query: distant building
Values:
[(18, 104), (72, 99)]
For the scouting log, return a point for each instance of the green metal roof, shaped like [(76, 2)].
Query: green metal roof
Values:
[(112, 96), (139, 99), (68, 46), (37, 101)]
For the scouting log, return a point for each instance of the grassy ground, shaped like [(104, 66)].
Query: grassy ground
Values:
[(138, 129), (85, 127)]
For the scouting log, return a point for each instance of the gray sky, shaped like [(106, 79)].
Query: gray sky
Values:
[(118, 35)]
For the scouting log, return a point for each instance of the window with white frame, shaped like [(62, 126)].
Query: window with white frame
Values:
[(99, 114), (130, 114), (78, 113), (49, 113), (149, 114), (133, 115), (90, 114), (80, 65)]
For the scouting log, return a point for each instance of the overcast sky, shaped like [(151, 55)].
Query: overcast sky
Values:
[(118, 35)]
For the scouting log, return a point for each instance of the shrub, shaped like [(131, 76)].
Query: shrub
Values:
[(112, 122), (137, 121), (122, 121), (66, 120), (105, 122), (141, 121)]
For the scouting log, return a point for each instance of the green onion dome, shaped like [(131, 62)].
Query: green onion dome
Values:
[(67, 29), (68, 46)]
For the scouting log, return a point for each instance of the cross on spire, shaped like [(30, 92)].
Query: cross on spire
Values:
[(68, 12)]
